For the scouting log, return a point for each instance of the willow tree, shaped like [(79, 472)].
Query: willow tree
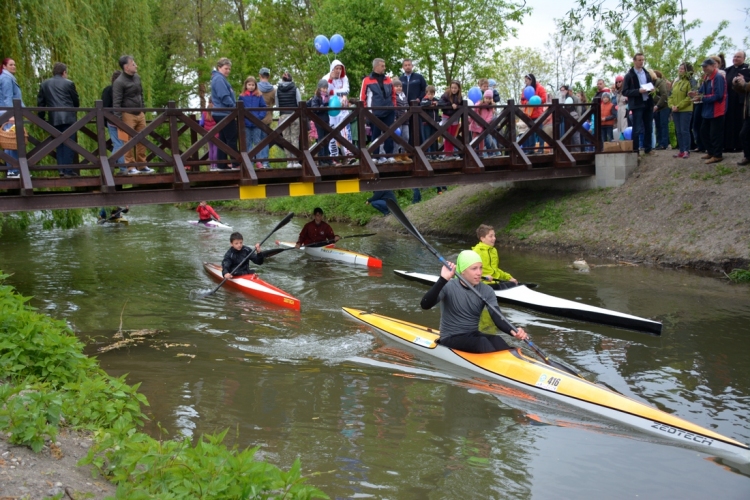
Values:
[(87, 35)]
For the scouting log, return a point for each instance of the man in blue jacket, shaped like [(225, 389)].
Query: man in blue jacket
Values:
[(377, 200), (223, 96)]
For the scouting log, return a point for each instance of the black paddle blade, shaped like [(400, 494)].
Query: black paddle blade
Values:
[(274, 251), (401, 216), (281, 224)]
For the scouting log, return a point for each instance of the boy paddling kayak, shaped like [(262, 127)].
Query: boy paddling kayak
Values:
[(460, 308)]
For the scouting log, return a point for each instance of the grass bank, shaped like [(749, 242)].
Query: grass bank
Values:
[(48, 384), (670, 212)]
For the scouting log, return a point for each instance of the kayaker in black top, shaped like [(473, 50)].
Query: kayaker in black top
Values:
[(116, 213), (237, 254), (460, 308)]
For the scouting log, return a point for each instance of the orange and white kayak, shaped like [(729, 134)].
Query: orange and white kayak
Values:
[(252, 285), (331, 252), (513, 368)]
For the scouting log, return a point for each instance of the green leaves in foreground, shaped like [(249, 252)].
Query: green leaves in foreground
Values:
[(146, 468), (47, 382)]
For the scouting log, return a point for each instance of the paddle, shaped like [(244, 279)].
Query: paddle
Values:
[(281, 224), (114, 215), (396, 211)]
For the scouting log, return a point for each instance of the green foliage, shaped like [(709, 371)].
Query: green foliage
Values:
[(146, 468), (510, 69), (535, 217), (48, 382), (370, 29), (449, 38), (740, 275)]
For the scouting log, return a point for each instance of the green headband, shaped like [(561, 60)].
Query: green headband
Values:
[(466, 259)]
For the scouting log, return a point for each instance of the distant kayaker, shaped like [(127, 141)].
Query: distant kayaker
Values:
[(460, 308), (491, 272), (206, 213), (237, 254), (115, 213), (316, 231)]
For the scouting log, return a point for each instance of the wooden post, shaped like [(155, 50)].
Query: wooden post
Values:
[(105, 170), (27, 189), (181, 180)]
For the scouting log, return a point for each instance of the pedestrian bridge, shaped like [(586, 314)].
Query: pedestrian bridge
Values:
[(177, 151)]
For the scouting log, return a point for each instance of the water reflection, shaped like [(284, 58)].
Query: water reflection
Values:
[(315, 385)]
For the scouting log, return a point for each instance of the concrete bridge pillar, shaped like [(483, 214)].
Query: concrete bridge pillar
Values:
[(613, 169)]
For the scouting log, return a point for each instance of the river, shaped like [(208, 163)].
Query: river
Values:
[(373, 419)]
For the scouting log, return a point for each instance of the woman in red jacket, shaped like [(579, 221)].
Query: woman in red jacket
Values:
[(539, 90)]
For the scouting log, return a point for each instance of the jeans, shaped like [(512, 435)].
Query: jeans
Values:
[(253, 137), (682, 129), (427, 131), (712, 135), (65, 155), (116, 143), (416, 195), (380, 206), (227, 135), (264, 152), (745, 136), (606, 132), (325, 149), (13, 154), (661, 118), (376, 132), (643, 120)]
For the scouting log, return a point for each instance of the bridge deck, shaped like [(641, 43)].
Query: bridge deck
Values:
[(177, 149)]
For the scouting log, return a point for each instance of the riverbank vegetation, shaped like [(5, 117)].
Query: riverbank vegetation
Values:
[(48, 384)]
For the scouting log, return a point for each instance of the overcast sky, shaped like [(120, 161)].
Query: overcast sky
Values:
[(536, 28)]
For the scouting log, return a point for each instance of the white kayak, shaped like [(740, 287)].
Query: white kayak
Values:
[(212, 223), (331, 252), (523, 296)]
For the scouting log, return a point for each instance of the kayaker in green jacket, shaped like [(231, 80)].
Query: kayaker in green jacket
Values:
[(491, 272)]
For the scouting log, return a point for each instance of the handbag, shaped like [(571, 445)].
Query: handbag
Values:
[(8, 137)]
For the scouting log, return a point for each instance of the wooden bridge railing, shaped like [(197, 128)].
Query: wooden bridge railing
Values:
[(177, 146)]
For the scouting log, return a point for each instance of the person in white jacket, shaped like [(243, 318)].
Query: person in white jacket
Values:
[(338, 85)]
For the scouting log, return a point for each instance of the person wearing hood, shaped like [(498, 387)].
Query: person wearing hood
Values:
[(288, 96), (377, 91), (461, 309), (682, 109), (268, 91), (223, 96), (338, 85)]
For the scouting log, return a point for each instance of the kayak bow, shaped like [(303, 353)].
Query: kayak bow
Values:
[(212, 223), (523, 296), (512, 367), (330, 252), (252, 285)]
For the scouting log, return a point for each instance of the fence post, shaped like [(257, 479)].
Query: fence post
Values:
[(27, 189), (181, 180), (105, 170)]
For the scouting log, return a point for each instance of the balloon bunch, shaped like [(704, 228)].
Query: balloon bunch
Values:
[(335, 44)]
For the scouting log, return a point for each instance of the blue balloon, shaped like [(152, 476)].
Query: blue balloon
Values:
[(628, 133), (535, 99), (337, 43), (528, 92), (334, 102), (475, 95), (398, 131), (321, 44), (587, 126)]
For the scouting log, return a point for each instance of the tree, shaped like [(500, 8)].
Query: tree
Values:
[(370, 29), (451, 39), (664, 44), (570, 56), (509, 71)]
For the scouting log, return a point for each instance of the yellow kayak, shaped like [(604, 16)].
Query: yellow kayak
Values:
[(512, 367)]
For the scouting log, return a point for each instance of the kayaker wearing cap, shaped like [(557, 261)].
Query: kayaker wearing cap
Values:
[(460, 309), (316, 230)]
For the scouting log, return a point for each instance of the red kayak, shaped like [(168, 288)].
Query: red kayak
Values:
[(252, 285)]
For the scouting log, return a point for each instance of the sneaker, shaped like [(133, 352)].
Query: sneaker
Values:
[(266, 165), (134, 171), (679, 155), (685, 155), (147, 170), (391, 160), (296, 165), (12, 175), (258, 165), (381, 160), (289, 165), (213, 169)]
